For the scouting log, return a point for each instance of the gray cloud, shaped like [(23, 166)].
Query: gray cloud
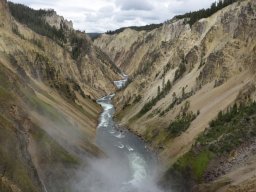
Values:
[(103, 15), (134, 4)]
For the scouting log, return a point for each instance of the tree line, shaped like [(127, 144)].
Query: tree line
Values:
[(34, 19), (193, 17), (136, 28), (204, 13)]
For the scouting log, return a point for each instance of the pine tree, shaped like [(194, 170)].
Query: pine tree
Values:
[(158, 90)]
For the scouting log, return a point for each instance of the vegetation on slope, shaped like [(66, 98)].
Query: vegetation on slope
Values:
[(180, 71), (34, 20), (229, 131), (12, 164), (204, 13), (193, 17), (160, 94), (176, 127), (181, 124), (79, 45), (177, 100), (13, 161), (167, 68), (136, 28), (77, 40)]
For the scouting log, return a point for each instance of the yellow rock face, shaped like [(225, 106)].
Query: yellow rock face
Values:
[(219, 55)]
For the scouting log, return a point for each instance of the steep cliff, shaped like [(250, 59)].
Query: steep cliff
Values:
[(57, 21), (71, 51), (48, 113), (182, 76)]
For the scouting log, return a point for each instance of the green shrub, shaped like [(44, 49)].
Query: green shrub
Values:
[(167, 67), (196, 163), (180, 71), (161, 94), (38, 43), (230, 129), (177, 100), (137, 99), (181, 124), (225, 134)]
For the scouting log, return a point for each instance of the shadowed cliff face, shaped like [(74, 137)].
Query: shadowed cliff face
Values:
[(183, 76), (41, 143)]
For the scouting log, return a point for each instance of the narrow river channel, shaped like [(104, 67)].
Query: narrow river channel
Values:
[(130, 166)]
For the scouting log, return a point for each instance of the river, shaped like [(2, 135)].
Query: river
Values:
[(129, 166)]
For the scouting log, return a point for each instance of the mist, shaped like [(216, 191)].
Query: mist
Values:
[(116, 161), (116, 174), (128, 166)]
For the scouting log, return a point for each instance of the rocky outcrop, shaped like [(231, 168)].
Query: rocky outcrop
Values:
[(130, 48), (57, 21)]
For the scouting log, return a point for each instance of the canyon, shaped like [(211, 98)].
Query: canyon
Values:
[(185, 75), (185, 110)]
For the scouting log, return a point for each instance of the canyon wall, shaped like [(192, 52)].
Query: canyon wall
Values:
[(182, 76), (48, 89)]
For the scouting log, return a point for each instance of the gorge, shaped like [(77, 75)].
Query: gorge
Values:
[(182, 119), (129, 165)]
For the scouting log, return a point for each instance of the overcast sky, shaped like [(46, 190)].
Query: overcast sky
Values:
[(103, 15)]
